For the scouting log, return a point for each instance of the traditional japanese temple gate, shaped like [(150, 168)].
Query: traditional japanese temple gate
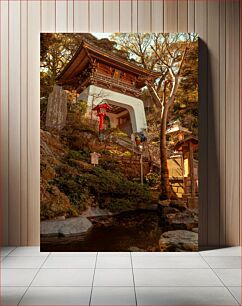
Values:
[(97, 74), (126, 105)]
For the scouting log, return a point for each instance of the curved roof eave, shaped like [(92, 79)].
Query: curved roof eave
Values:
[(93, 51)]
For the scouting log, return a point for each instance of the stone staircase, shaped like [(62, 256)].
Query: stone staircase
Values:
[(125, 142)]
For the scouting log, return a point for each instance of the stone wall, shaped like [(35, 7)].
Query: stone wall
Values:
[(130, 166)]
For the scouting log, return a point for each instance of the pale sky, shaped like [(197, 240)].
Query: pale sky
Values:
[(102, 35)]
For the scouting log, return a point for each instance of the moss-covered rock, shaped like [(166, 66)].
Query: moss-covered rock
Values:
[(180, 240), (54, 203), (70, 227)]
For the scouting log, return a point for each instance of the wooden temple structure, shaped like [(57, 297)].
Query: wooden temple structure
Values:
[(98, 74), (183, 167), (187, 147)]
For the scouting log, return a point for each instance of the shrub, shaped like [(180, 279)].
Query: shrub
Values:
[(83, 154), (82, 107), (109, 164), (77, 195), (105, 182), (55, 203), (120, 205), (104, 151), (110, 189), (152, 178), (127, 154)]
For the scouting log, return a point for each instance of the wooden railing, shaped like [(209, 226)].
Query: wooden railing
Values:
[(122, 85)]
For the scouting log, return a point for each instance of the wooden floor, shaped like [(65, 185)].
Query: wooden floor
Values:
[(216, 22)]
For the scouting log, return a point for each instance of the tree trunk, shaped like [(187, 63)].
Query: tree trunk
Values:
[(164, 182)]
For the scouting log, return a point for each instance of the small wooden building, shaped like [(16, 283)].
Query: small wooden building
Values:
[(188, 146), (177, 130)]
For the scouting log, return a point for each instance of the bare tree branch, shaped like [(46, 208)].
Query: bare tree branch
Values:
[(154, 95)]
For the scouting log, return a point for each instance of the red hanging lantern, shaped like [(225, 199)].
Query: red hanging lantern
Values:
[(101, 109)]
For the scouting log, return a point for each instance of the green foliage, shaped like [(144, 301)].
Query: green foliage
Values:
[(83, 154), (49, 188), (117, 132), (120, 205), (70, 186), (127, 154), (52, 210), (152, 178), (105, 182), (82, 107), (108, 164), (104, 151), (79, 109), (55, 203), (43, 110), (110, 189)]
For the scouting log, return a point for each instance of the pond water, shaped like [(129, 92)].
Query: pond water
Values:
[(127, 231)]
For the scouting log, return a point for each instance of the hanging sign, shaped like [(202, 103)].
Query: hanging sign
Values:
[(94, 158)]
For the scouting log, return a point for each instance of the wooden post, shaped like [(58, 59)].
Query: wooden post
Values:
[(141, 169)]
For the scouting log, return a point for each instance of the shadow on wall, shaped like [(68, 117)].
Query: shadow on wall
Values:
[(209, 171)]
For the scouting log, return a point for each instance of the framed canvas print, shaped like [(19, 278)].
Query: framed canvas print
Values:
[(119, 142)]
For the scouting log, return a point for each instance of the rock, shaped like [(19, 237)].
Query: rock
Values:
[(152, 249), (164, 203), (80, 139), (68, 227), (53, 202), (103, 221), (179, 204), (96, 212), (170, 210), (75, 226), (61, 218), (180, 240), (192, 203), (47, 172), (56, 109), (50, 228), (195, 229), (146, 206), (50, 145), (135, 249), (185, 220)]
